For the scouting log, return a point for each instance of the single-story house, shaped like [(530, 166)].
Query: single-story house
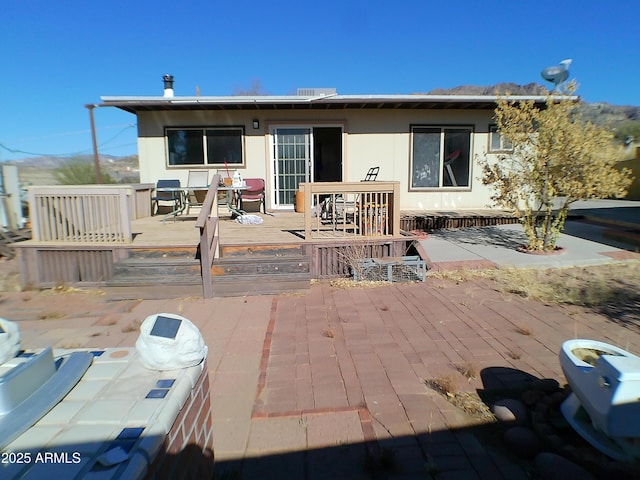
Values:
[(431, 144)]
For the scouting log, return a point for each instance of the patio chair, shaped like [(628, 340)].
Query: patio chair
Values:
[(171, 197), (195, 197), (254, 193), (336, 206), (372, 174)]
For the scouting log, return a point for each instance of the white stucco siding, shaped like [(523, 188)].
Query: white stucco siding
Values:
[(372, 137), (384, 140)]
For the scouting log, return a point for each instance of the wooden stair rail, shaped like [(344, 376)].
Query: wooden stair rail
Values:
[(209, 241)]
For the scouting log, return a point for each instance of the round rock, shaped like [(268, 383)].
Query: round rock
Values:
[(510, 410), (523, 442), (546, 385)]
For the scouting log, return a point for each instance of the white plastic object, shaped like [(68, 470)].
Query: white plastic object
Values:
[(168, 341), (9, 340)]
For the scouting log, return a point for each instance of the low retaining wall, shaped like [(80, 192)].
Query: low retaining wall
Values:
[(188, 448)]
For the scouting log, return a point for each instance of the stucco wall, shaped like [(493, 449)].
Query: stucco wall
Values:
[(371, 138)]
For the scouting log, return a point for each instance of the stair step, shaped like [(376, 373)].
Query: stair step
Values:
[(143, 279), (157, 267), (265, 266), (186, 252), (262, 250), (245, 270)]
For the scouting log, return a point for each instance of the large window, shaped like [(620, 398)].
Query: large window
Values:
[(205, 146), (441, 157)]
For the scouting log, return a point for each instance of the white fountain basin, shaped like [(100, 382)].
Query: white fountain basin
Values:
[(112, 418)]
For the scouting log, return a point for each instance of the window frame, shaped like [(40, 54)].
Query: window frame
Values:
[(205, 146), (441, 166), (504, 147)]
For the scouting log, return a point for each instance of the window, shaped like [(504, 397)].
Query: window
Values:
[(441, 157), (205, 146), (497, 143)]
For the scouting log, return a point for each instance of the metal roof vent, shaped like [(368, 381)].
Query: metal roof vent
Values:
[(168, 85), (316, 92)]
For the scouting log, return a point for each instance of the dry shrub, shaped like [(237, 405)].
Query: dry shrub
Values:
[(468, 370), (524, 330), (329, 333), (585, 286), (446, 384), (470, 403), (347, 283), (513, 355), (132, 327)]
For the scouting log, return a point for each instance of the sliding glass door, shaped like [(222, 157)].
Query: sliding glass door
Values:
[(291, 163), (303, 154)]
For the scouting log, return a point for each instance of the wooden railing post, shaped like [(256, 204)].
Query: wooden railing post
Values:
[(209, 242), (395, 229)]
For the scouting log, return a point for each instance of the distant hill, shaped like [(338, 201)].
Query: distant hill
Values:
[(500, 88), (40, 170), (605, 114)]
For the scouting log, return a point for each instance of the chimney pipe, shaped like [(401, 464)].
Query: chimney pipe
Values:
[(168, 85)]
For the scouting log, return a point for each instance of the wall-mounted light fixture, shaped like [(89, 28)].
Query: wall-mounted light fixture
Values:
[(256, 124)]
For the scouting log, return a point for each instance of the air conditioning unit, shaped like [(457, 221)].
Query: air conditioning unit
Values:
[(316, 92)]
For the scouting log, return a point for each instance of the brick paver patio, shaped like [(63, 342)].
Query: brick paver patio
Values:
[(325, 385)]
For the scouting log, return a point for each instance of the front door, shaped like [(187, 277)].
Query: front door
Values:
[(304, 154)]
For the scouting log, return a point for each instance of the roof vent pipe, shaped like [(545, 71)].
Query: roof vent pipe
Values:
[(168, 85)]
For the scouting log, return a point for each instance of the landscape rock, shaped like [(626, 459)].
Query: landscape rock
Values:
[(523, 442), (531, 397), (510, 410), (547, 385)]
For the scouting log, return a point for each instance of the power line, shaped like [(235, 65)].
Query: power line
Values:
[(76, 132), (71, 154)]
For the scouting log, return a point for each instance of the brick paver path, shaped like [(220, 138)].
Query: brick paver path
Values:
[(303, 386)]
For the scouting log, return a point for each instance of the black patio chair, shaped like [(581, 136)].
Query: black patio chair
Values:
[(171, 195)]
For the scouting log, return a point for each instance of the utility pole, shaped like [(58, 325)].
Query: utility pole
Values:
[(96, 156)]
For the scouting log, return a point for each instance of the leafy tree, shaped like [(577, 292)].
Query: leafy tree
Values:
[(79, 172), (557, 159)]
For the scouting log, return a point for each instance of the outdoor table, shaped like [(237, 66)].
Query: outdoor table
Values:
[(234, 194)]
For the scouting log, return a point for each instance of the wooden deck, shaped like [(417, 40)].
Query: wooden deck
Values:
[(280, 227), (277, 248), (287, 227)]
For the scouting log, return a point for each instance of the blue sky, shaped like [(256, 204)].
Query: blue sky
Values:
[(58, 56)]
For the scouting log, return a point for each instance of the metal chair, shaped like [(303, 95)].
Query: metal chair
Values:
[(171, 195), (255, 193), (336, 206), (195, 197)]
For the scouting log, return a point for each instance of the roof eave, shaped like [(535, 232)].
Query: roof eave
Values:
[(136, 104)]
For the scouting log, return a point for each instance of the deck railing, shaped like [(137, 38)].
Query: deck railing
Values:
[(207, 223), (82, 213), (351, 209)]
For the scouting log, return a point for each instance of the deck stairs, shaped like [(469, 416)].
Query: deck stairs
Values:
[(156, 273)]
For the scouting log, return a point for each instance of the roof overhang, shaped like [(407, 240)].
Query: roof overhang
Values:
[(327, 102)]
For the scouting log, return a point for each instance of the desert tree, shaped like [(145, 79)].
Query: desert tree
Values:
[(555, 159)]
